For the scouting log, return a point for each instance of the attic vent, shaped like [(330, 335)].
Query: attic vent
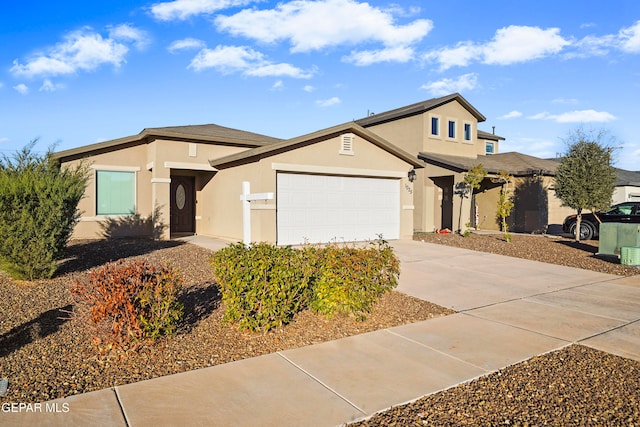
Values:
[(346, 146)]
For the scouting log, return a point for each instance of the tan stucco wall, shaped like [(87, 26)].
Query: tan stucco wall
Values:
[(218, 210), (413, 133), (535, 205), (154, 163), (321, 157)]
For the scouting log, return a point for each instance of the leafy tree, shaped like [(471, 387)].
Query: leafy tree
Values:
[(505, 202), (471, 181), (38, 210), (585, 178)]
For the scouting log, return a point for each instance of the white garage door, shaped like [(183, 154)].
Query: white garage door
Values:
[(323, 208)]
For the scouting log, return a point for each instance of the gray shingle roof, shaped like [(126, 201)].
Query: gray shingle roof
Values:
[(516, 164), (418, 108), (216, 132), (625, 177), (193, 133), (257, 153)]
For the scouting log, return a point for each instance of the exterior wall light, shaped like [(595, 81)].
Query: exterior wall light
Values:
[(412, 175)]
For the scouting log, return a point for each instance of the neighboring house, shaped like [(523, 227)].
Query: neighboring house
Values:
[(446, 126), (627, 187), (536, 206), (341, 183)]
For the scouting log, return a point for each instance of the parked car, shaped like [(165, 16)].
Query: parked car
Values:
[(589, 226)]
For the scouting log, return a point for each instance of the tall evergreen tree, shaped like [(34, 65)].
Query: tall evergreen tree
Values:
[(585, 178)]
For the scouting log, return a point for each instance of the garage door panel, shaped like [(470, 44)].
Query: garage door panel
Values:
[(322, 208)]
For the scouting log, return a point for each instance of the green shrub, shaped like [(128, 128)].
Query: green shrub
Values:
[(128, 302), (350, 280), (262, 286), (38, 210)]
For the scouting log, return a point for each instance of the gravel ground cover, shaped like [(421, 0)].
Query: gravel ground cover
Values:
[(574, 386), (543, 248), (46, 355)]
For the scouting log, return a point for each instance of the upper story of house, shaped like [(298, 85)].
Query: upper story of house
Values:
[(446, 125)]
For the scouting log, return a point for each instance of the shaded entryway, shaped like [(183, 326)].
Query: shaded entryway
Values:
[(444, 196), (182, 201)]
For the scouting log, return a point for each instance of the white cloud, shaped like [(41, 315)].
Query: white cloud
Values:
[(515, 44), (308, 88), (49, 86), (128, 33), (592, 46), (509, 45), (185, 44), (226, 58), (630, 38), (393, 54), (314, 25), (447, 86), (328, 102), (184, 9), (22, 88), (83, 50), (460, 56), (231, 59), (278, 85), (511, 115), (578, 116)]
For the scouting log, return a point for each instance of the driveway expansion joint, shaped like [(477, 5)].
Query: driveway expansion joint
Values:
[(326, 386), (122, 411)]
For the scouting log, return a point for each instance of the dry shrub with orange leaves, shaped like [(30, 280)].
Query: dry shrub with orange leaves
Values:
[(128, 303)]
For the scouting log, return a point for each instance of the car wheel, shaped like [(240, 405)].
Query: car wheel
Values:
[(586, 230)]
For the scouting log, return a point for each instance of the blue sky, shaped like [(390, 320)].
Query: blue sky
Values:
[(78, 72)]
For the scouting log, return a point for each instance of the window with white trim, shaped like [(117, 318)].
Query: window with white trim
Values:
[(467, 131), (115, 192), (452, 129), (435, 125), (489, 147), (346, 144)]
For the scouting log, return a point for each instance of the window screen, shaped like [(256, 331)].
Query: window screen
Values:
[(116, 193)]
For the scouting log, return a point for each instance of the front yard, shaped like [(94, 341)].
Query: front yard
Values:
[(46, 355)]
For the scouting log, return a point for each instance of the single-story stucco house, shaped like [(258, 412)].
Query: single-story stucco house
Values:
[(344, 183)]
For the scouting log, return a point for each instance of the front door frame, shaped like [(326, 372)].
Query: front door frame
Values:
[(182, 203)]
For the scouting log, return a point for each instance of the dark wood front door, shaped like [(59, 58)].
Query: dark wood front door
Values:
[(182, 204)]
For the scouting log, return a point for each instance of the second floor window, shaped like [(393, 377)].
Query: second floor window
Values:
[(489, 147), (435, 124), (452, 129), (467, 132)]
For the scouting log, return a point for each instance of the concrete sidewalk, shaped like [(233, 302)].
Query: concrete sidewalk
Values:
[(508, 311)]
